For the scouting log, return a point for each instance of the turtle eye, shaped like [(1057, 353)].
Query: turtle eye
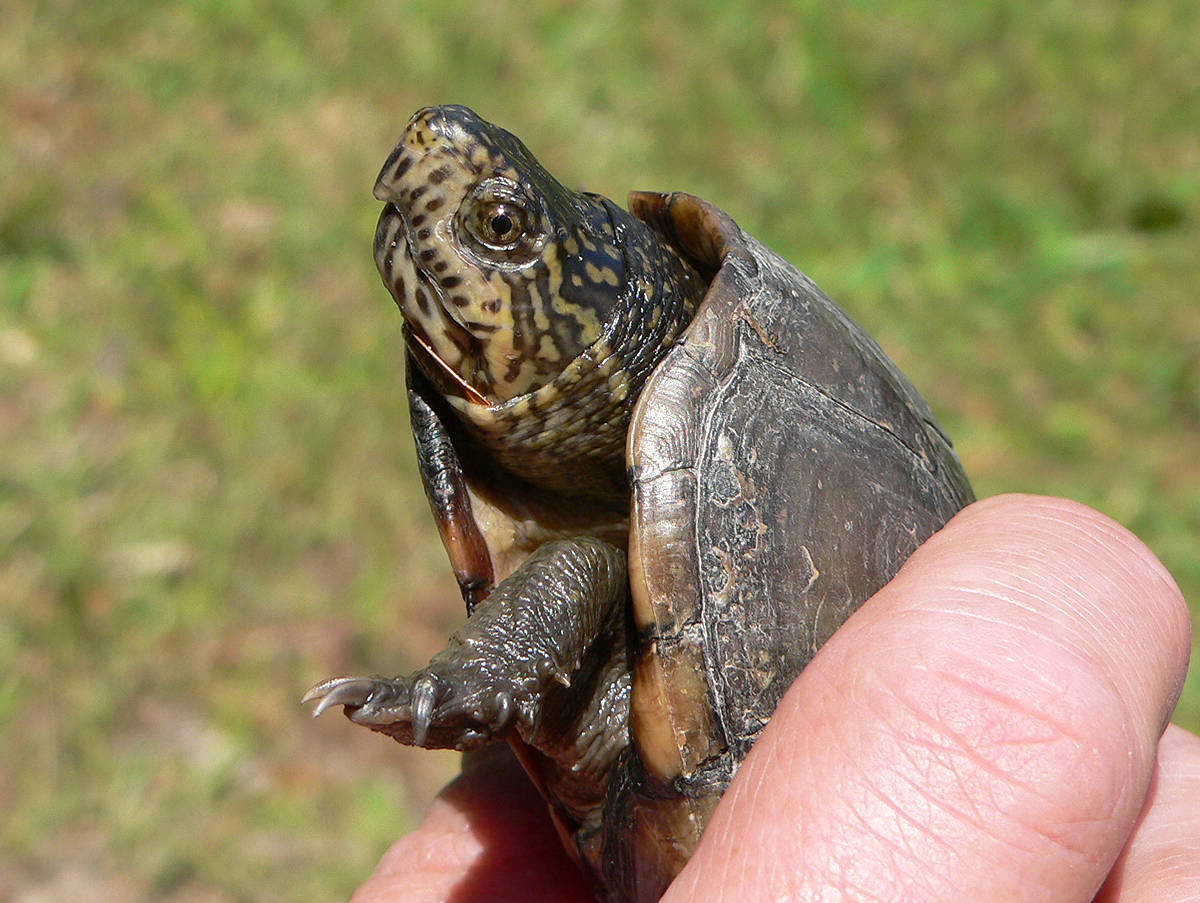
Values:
[(501, 225), (497, 225)]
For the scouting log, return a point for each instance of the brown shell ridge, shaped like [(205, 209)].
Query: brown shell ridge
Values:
[(679, 734)]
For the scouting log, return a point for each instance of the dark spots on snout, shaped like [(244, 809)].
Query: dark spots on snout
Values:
[(416, 194), (476, 326), (423, 302), (438, 176), (491, 305), (423, 234), (402, 166), (434, 203), (459, 300), (440, 266), (427, 255), (450, 281), (418, 220)]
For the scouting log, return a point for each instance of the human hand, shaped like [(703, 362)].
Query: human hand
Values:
[(988, 728)]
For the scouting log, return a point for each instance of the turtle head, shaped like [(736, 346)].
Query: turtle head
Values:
[(503, 275)]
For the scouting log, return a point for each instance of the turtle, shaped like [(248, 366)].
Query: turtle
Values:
[(665, 467)]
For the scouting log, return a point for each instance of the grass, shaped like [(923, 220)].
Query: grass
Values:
[(207, 494)]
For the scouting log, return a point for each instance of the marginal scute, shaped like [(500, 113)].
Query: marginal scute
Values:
[(672, 721), (665, 583), (662, 436), (698, 733), (650, 725)]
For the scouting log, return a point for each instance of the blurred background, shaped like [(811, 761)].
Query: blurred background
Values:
[(208, 499)]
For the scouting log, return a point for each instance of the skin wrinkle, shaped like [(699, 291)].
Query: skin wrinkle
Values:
[(1002, 756), (1107, 587), (904, 744), (1001, 617), (1134, 552), (866, 820), (863, 820), (926, 786), (1063, 727), (1065, 692), (1077, 599), (899, 841), (971, 813), (753, 792), (726, 863), (778, 877), (1113, 532)]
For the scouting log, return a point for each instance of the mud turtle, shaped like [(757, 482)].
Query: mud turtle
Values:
[(665, 466)]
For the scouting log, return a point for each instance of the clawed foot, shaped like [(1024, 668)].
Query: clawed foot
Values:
[(424, 709)]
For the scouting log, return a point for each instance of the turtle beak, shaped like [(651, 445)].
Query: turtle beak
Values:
[(440, 372), (393, 169)]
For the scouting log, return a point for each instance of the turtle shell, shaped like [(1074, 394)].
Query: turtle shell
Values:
[(783, 469)]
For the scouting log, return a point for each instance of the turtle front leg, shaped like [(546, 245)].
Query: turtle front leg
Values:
[(523, 648)]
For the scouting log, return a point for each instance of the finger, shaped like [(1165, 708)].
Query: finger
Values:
[(1161, 863), (486, 838), (983, 729)]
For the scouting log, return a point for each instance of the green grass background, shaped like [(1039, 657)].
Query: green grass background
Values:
[(207, 494)]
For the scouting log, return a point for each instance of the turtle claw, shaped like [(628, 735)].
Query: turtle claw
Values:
[(505, 710), (425, 694), (347, 691), (442, 706)]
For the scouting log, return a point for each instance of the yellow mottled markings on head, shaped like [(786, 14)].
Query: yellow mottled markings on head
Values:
[(498, 345), (576, 280), (554, 271), (526, 374), (498, 288), (541, 319), (601, 274), (655, 316), (584, 316), (548, 350), (571, 246), (480, 156)]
